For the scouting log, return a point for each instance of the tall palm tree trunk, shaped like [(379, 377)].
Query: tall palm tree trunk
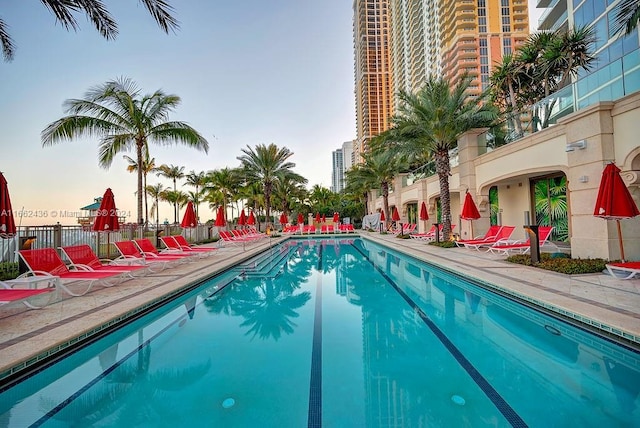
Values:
[(139, 147), (146, 203), (443, 169)]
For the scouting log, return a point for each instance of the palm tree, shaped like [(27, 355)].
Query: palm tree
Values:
[(431, 121), (377, 172), (156, 192), (123, 120), (148, 165), (177, 199), (545, 63), (197, 180), (224, 182), (288, 192), (504, 82), (97, 14), (267, 164), (627, 16), (173, 173)]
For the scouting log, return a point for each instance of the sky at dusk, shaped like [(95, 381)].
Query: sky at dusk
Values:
[(248, 72)]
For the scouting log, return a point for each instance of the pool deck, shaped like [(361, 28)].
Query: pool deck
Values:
[(28, 336)]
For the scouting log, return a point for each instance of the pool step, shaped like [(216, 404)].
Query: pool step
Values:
[(269, 266)]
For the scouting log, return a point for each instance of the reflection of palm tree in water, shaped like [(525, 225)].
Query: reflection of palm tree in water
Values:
[(269, 307), (267, 304), (131, 394)]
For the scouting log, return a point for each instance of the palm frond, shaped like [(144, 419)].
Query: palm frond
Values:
[(8, 49)]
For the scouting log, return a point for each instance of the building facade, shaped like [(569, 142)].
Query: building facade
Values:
[(372, 71), (337, 171), (542, 179), (400, 43)]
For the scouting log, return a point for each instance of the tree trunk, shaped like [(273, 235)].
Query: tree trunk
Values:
[(139, 146), (515, 112), (267, 203), (385, 200), (146, 205), (175, 204), (443, 169)]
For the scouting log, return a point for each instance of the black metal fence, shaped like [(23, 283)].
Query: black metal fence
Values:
[(59, 236)]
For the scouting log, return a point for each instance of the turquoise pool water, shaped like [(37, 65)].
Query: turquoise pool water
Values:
[(336, 333)]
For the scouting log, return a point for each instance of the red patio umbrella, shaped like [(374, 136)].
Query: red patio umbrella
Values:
[(424, 214), (395, 216), (382, 217), (300, 218), (283, 219), (324, 218), (252, 219), (7, 223), (614, 202), (242, 220), (336, 217), (107, 215), (318, 218), (189, 218), (220, 217), (469, 211)]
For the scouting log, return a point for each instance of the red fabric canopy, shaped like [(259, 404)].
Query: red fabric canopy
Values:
[(424, 215), (300, 219), (614, 202), (469, 209), (107, 215), (336, 217), (242, 220), (220, 217), (283, 219), (189, 219), (395, 216), (382, 217), (7, 223), (252, 219)]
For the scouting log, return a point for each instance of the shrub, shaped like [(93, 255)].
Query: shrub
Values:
[(403, 236), (443, 244), (564, 265), (8, 270)]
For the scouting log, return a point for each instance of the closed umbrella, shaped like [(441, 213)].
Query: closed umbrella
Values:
[(318, 218), (424, 214), (614, 202), (300, 218), (395, 216), (382, 217), (106, 220), (242, 220), (252, 219), (107, 216), (336, 217), (189, 218), (324, 218), (7, 223), (283, 219), (220, 217), (469, 211)]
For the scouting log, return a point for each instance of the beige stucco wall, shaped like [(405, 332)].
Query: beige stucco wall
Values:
[(612, 133)]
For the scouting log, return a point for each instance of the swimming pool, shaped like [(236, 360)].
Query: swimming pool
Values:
[(336, 333)]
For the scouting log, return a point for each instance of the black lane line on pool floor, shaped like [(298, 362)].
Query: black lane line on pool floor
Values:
[(51, 413), (507, 411), (315, 389)]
